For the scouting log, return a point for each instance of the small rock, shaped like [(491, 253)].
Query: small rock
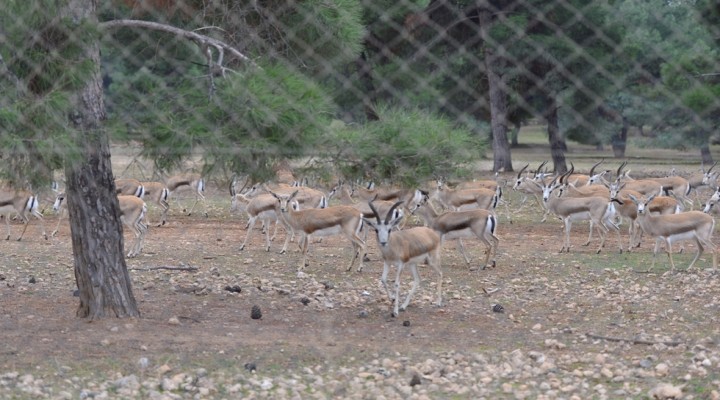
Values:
[(250, 366), (305, 301), (255, 313), (415, 380), (233, 289), (665, 391), (32, 279), (406, 323), (498, 308), (174, 321), (363, 314)]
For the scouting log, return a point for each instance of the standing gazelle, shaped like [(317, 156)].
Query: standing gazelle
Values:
[(450, 225), (670, 228), (407, 247), (321, 222), (194, 182), (22, 203), (132, 213), (159, 194)]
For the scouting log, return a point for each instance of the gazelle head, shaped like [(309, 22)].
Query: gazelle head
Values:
[(708, 175), (59, 199), (642, 204), (519, 180), (284, 200), (383, 228)]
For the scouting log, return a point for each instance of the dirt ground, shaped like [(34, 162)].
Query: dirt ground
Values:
[(581, 309)]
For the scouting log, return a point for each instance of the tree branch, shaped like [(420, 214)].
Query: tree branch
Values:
[(203, 41), (633, 341)]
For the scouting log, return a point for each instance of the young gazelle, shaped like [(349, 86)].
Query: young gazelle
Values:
[(694, 225), (159, 194), (450, 225), (132, 213), (321, 222), (407, 247), (195, 182), (22, 203), (260, 207)]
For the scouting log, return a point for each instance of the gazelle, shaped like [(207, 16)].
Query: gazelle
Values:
[(477, 223), (21, 202), (383, 206), (260, 207), (468, 198), (598, 210), (572, 190), (321, 222), (480, 184), (689, 225), (193, 181), (626, 209), (407, 247), (525, 185), (159, 194), (129, 187), (132, 213), (645, 186)]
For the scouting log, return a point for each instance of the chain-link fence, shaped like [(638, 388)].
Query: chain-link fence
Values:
[(394, 91), (192, 96)]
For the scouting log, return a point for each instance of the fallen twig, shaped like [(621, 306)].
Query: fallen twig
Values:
[(633, 341), (171, 268)]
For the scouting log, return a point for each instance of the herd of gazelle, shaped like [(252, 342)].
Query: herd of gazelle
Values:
[(652, 206)]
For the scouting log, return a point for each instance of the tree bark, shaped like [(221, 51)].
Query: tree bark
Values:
[(557, 144), (97, 238), (502, 160)]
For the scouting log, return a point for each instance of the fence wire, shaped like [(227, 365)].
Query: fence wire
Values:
[(384, 90)]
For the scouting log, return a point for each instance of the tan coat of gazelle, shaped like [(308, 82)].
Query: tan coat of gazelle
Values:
[(159, 194), (690, 225), (335, 220), (407, 247), (480, 224), (194, 182), (21, 202), (132, 214)]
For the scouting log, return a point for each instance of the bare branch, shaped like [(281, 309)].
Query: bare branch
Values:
[(633, 341), (202, 40)]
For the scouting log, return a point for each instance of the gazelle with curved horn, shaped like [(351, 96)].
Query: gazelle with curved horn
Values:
[(21, 202), (459, 225), (645, 186), (525, 185), (690, 225), (260, 207), (334, 220), (598, 210), (405, 248), (579, 180), (571, 190)]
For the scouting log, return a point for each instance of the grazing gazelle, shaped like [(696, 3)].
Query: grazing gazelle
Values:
[(132, 213), (334, 220), (450, 225), (193, 181), (407, 247), (690, 225), (22, 203)]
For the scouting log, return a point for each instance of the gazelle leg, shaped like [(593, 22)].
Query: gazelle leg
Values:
[(251, 225), (383, 280), (396, 306), (669, 252), (699, 252), (461, 248), (413, 289)]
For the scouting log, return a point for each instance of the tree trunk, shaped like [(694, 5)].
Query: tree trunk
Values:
[(502, 160), (515, 134), (557, 143), (705, 155), (366, 81), (97, 238), (619, 141)]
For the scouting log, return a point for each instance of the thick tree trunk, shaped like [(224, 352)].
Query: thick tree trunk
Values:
[(502, 160), (364, 70), (515, 134), (97, 239), (557, 143)]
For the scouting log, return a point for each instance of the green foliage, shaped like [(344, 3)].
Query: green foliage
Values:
[(253, 120), (406, 146)]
